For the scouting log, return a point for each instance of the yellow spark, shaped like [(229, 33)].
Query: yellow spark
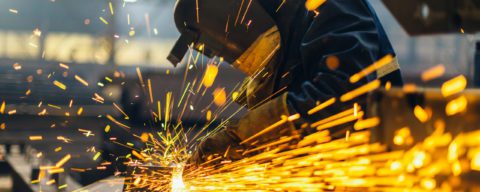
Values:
[(209, 115), (388, 85), (81, 80), (456, 106), (322, 106), (137, 181), (367, 123), (144, 137), (62, 65), (63, 186), (433, 73), (50, 182), (150, 90), (80, 111), (334, 117), (421, 114), (110, 5), (2, 108), (58, 149), (54, 106), (60, 85), (360, 91), (372, 68), (138, 155), (103, 20), (35, 138), (107, 128), (167, 107), (117, 122), (314, 4), (340, 121), (11, 112), (139, 74), (219, 96), (210, 75), (63, 161), (234, 96), (454, 86), (121, 111), (96, 156)]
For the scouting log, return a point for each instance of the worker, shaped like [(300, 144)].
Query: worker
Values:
[(295, 56)]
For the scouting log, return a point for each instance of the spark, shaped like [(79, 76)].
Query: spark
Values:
[(107, 129), (35, 138), (62, 65), (11, 112), (219, 96), (456, 106), (13, 11), (454, 86), (433, 73), (360, 91), (322, 106), (80, 111), (60, 85), (421, 114), (372, 68), (110, 5), (121, 111), (139, 74), (210, 75), (95, 157), (150, 90), (2, 108), (117, 122), (63, 161), (103, 20), (367, 123), (81, 80)]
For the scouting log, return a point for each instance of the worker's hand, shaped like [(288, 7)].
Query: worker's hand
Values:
[(224, 143)]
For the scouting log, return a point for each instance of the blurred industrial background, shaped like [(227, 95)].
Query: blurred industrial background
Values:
[(46, 40)]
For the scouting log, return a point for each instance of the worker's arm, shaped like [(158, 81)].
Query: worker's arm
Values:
[(344, 29)]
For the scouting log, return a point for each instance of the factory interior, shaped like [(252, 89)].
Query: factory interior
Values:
[(118, 95)]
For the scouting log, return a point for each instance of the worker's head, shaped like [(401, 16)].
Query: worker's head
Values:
[(241, 32)]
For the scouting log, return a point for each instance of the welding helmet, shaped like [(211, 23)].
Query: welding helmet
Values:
[(224, 28)]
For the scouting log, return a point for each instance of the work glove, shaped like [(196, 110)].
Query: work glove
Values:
[(249, 129)]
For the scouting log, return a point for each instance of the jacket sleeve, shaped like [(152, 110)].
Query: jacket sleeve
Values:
[(341, 40), (344, 32)]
